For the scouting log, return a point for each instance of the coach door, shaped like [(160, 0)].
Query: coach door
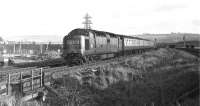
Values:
[(108, 42), (119, 44), (122, 39)]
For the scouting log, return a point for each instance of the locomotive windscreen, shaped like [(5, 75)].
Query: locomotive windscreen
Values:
[(73, 43)]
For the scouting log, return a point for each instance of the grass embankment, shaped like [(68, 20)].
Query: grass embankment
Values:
[(159, 77)]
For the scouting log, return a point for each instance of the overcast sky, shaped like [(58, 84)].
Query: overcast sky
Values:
[(50, 20)]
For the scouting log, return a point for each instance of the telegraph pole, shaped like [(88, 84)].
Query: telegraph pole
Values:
[(14, 48), (155, 42), (41, 47), (87, 21), (20, 47)]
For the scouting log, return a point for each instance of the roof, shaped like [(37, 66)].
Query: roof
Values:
[(85, 32)]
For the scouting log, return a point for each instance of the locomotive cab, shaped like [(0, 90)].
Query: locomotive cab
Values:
[(73, 48)]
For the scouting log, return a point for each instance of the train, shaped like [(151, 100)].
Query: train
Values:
[(83, 45)]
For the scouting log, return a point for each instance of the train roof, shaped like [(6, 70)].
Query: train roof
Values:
[(85, 32)]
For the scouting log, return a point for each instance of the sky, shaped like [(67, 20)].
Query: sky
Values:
[(51, 20)]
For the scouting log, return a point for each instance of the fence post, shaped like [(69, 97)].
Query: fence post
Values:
[(31, 79), (21, 82), (8, 84), (41, 75), (177, 103), (152, 103)]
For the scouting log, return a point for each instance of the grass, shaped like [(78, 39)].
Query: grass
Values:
[(158, 77)]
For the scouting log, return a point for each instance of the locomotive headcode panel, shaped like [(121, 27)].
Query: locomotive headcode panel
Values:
[(72, 44)]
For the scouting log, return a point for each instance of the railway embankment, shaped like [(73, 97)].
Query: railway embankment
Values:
[(162, 77)]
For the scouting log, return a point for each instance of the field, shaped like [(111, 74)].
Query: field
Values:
[(172, 37)]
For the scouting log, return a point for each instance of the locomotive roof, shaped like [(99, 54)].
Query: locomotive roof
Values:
[(85, 32)]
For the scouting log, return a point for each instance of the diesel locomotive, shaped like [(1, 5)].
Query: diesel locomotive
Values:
[(83, 45)]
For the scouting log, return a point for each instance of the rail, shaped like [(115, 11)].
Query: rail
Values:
[(33, 78)]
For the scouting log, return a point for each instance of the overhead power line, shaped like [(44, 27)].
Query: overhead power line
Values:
[(87, 23)]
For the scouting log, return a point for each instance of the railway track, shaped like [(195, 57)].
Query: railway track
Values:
[(48, 71), (33, 78), (51, 63), (193, 51), (68, 69), (45, 66), (59, 62)]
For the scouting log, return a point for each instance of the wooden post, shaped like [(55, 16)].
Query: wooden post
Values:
[(31, 79), (161, 90), (177, 103), (152, 103), (21, 83), (184, 41), (14, 48), (8, 84), (41, 51), (41, 75)]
